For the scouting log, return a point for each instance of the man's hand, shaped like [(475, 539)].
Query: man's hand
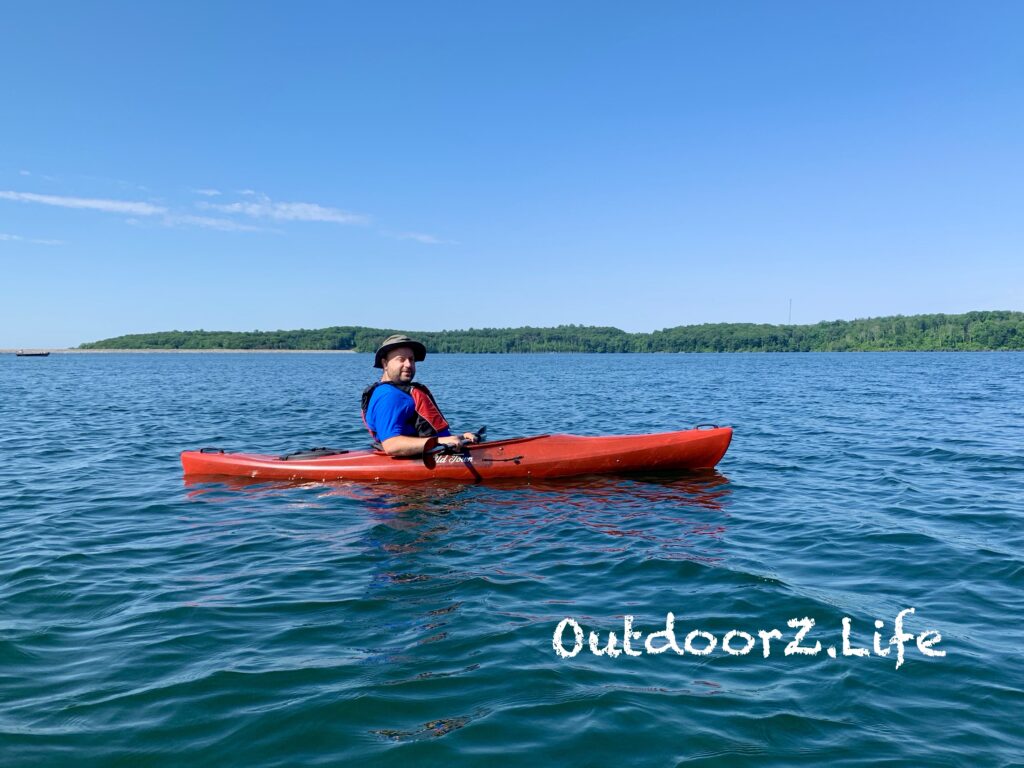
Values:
[(400, 445), (459, 440)]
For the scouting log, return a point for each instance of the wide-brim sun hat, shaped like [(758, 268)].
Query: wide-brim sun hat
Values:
[(419, 351)]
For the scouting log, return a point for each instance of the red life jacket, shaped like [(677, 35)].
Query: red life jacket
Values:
[(429, 419)]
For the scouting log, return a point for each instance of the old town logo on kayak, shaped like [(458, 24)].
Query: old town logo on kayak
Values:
[(458, 458)]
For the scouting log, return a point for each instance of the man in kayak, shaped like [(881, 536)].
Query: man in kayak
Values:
[(402, 414)]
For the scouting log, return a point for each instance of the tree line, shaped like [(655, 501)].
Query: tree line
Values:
[(969, 331)]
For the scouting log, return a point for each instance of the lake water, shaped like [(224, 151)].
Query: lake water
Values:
[(144, 621)]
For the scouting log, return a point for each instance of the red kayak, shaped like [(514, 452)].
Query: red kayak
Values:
[(539, 456)]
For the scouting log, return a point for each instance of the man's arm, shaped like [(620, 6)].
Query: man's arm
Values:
[(401, 445)]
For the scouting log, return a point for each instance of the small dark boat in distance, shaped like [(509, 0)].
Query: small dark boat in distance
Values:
[(23, 353)]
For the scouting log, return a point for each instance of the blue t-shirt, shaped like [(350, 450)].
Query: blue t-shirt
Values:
[(391, 412)]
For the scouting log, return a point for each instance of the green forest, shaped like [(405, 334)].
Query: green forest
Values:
[(970, 331)]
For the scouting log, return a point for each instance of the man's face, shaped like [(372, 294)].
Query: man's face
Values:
[(400, 365)]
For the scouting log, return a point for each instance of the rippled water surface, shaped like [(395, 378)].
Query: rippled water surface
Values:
[(146, 621)]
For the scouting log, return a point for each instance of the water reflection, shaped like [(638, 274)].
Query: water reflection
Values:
[(706, 488), (663, 512)]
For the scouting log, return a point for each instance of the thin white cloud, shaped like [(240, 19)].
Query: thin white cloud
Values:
[(88, 203), (209, 222), (421, 237), (35, 241), (257, 206), (25, 173), (265, 208)]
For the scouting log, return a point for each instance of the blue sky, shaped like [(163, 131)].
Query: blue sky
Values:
[(239, 166)]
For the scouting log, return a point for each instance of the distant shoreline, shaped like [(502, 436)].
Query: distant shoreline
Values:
[(988, 330), (72, 351)]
